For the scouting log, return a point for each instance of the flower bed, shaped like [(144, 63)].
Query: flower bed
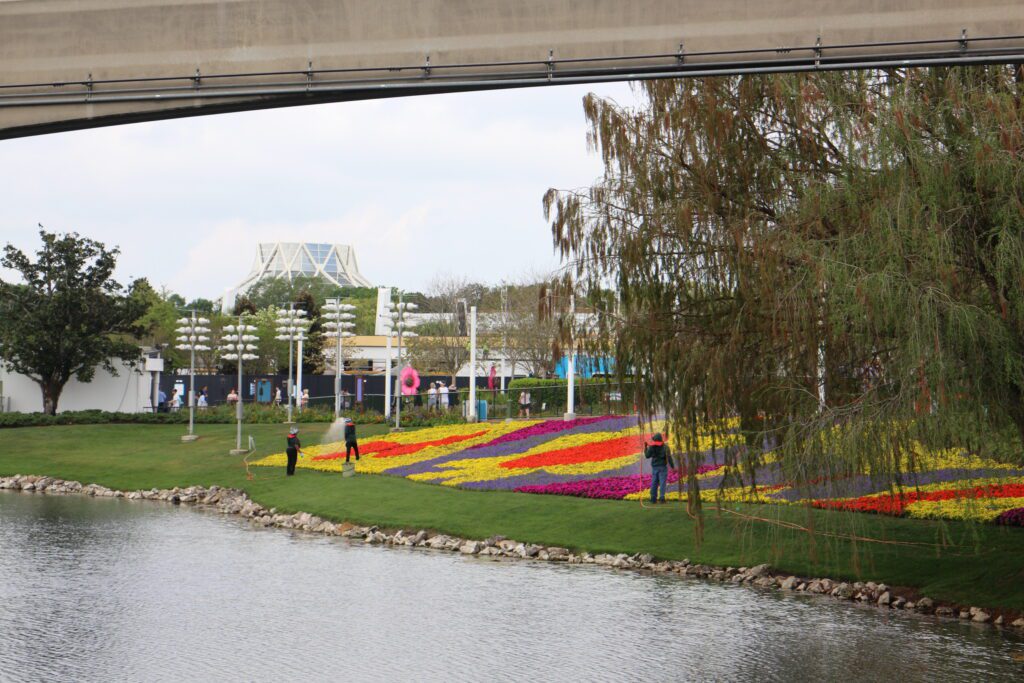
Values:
[(601, 457)]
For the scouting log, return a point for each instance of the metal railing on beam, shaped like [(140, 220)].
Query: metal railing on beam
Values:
[(413, 79)]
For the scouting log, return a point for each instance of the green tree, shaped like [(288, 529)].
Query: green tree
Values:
[(201, 305), (442, 345), (68, 316), (833, 258), (313, 346)]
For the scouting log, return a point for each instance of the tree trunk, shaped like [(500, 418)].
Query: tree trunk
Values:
[(51, 395)]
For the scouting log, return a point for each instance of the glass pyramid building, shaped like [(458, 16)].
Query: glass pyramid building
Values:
[(335, 263)]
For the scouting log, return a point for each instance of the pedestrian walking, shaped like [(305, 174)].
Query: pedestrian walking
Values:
[(432, 397), (161, 401), (524, 403), (304, 401), (660, 456), (202, 402), (277, 396), (232, 398), (293, 449), (351, 443), (175, 400)]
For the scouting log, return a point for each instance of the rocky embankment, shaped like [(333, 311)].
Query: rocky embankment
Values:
[(237, 502)]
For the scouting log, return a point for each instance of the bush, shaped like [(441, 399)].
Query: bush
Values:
[(258, 414), (552, 392)]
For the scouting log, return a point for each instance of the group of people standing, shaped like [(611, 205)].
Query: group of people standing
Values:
[(176, 402), (437, 396)]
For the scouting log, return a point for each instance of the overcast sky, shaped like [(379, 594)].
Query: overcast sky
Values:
[(419, 186)]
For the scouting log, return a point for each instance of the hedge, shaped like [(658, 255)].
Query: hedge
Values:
[(218, 415), (553, 391)]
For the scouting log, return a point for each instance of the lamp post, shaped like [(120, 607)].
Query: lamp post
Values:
[(236, 345), (386, 324), (570, 412), (472, 364), (338, 324), (192, 333), (291, 327), (397, 318), (504, 335)]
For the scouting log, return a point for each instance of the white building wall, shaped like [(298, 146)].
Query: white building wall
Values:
[(129, 392)]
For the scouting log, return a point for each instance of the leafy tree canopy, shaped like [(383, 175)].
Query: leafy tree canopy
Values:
[(68, 315), (833, 258)]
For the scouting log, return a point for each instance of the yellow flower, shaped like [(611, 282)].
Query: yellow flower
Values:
[(971, 509)]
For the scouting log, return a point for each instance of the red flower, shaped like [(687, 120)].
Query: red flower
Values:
[(894, 504), (592, 452), (390, 449)]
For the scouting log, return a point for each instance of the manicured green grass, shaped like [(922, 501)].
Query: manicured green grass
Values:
[(958, 562)]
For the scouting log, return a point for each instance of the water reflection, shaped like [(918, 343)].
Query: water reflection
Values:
[(115, 590)]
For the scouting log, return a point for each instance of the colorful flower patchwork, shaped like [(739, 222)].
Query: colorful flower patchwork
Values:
[(601, 457)]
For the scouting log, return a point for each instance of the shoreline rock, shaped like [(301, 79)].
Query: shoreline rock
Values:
[(237, 502)]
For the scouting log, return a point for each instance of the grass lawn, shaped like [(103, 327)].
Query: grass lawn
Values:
[(950, 561)]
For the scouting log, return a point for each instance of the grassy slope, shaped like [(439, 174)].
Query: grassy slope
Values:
[(980, 565)]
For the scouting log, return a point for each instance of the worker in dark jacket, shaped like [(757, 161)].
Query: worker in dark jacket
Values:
[(350, 439), (293, 449), (660, 456)]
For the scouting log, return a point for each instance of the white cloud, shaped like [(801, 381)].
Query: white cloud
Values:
[(416, 185)]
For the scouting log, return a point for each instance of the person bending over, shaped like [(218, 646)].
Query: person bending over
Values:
[(660, 456)]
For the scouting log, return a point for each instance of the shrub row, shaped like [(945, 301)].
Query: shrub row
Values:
[(218, 415), (552, 392)]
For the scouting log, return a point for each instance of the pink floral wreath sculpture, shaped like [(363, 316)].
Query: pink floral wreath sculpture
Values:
[(410, 380)]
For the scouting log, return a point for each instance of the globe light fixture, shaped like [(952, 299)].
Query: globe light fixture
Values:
[(237, 345), (397, 318), (291, 327), (339, 325), (192, 336)]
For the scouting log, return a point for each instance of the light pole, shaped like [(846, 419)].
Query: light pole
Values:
[(386, 324), (291, 327), (192, 332), (398, 319), (472, 364), (338, 324), (504, 335), (570, 412), (236, 345)]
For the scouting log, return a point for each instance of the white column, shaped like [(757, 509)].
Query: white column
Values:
[(570, 408), (298, 382), (339, 365), (387, 377), (472, 364), (291, 363)]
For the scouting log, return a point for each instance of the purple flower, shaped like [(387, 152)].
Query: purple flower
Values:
[(1014, 517), (498, 448), (614, 488), (548, 427)]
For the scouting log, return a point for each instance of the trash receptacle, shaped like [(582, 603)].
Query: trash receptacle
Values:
[(481, 410)]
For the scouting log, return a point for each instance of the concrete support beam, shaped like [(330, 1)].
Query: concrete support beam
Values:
[(67, 64)]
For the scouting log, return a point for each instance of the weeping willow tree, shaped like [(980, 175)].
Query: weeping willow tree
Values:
[(833, 259)]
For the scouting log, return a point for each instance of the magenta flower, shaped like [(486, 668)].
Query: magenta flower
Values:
[(612, 488), (544, 428), (1014, 517)]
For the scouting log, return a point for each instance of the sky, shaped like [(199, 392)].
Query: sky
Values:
[(421, 187)]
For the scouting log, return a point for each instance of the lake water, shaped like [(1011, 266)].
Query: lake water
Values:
[(111, 590)]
